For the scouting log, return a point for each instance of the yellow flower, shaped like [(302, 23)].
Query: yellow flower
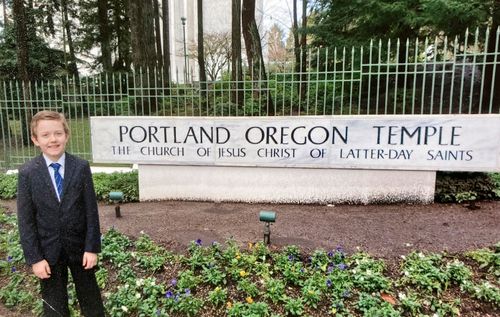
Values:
[(249, 299), (250, 245), (243, 273), (238, 256), (229, 305)]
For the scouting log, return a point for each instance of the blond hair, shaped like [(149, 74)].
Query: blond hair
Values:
[(48, 115)]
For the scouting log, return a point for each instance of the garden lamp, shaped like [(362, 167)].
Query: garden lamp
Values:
[(267, 217), (116, 197)]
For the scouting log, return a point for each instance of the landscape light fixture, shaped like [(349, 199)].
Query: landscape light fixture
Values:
[(116, 197), (267, 217)]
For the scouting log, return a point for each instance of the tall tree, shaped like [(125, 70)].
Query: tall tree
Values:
[(158, 34), (253, 48), (22, 40), (5, 18), (22, 63), (492, 74), (201, 53), (236, 67), (142, 19), (67, 26), (295, 32), (277, 51), (251, 36), (303, 47), (144, 59), (300, 42), (104, 34), (122, 34), (353, 23), (217, 53), (166, 44)]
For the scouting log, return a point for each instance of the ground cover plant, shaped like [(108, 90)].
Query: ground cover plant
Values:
[(450, 186), (141, 278)]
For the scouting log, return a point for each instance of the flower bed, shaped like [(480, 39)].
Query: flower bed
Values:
[(141, 278)]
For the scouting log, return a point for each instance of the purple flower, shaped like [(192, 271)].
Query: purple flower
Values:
[(342, 266), (330, 268), (13, 269), (173, 282), (302, 270), (168, 294), (198, 242), (290, 257), (330, 254), (328, 283), (341, 251), (187, 291), (9, 258)]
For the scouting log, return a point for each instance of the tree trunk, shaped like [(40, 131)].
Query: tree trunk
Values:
[(22, 40), (72, 68), (104, 35), (236, 68), (253, 48), (303, 46), (122, 29), (5, 19), (141, 16), (22, 64), (144, 59), (157, 34), (491, 93), (295, 31), (201, 53), (297, 51), (166, 45)]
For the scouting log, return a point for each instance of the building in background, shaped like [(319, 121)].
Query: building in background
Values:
[(216, 19)]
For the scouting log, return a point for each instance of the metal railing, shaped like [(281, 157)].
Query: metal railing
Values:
[(410, 77)]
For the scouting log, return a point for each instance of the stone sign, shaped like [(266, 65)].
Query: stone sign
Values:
[(416, 142)]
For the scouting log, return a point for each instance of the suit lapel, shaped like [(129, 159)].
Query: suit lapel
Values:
[(44, 176), (69, 171)]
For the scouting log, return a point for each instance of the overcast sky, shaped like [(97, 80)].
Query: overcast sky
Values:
[(279, 12)]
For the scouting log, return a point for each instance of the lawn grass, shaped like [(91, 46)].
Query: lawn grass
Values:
[(16, 153)]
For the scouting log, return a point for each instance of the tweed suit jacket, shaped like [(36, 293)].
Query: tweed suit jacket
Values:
[(47, 226)]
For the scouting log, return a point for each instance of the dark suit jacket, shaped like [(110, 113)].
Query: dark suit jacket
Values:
[(47, 226)]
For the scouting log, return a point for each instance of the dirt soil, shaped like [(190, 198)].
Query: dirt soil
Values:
[(386, 231)]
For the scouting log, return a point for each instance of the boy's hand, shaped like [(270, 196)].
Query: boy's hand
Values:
[(41, 269), (89, 260)]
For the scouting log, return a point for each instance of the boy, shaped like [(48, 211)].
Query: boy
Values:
[(58, 219)]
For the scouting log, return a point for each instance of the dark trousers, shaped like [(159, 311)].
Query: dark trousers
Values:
[(55, 290)]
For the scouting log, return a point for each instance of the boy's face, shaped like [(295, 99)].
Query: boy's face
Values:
[(51, 138)]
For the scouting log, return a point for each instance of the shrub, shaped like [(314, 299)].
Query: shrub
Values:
[(8, 186), (458, 186), (495, 178), (127, 183)]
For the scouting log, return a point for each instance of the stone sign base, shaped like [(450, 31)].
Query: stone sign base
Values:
[(284, 185)]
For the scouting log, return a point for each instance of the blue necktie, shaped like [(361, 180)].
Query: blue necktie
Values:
[(58, 178)]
